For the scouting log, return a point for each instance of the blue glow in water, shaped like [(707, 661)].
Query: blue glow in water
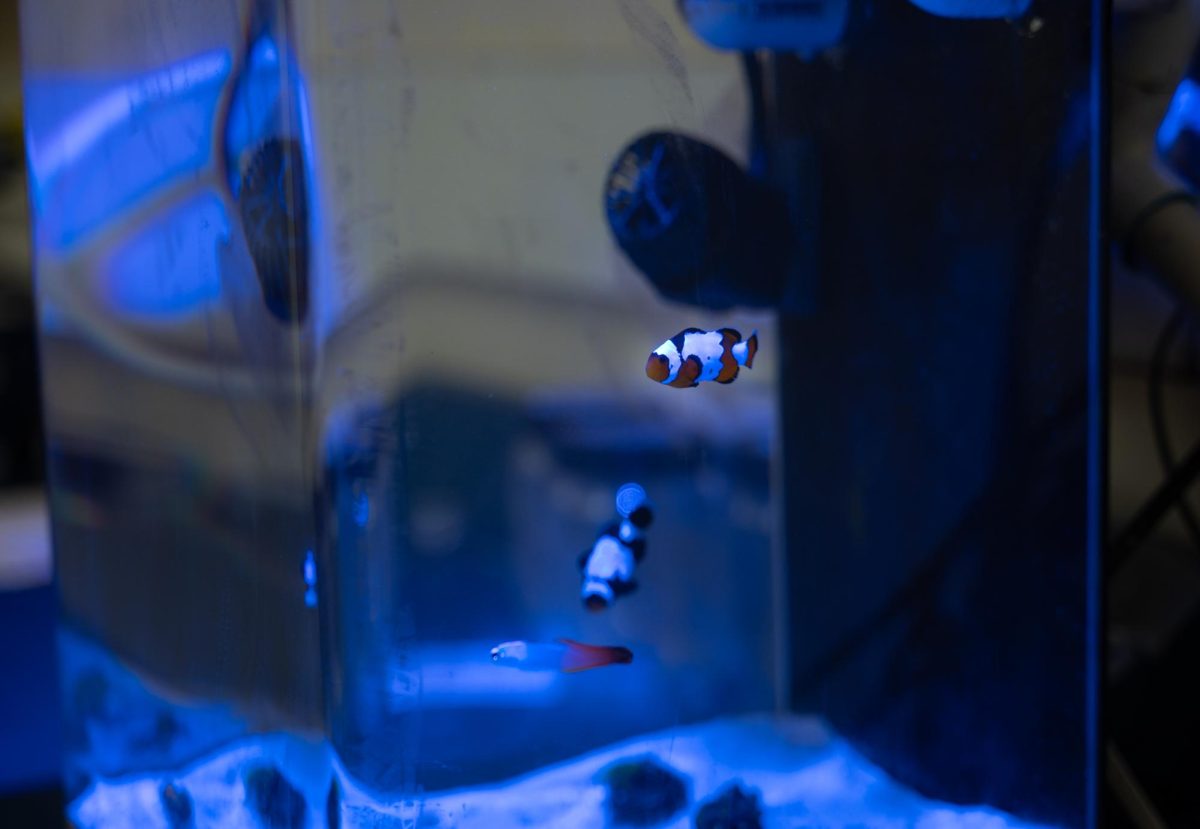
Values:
[(801, 774), (629, 497), (310, 579), (461, 675), (1183, 114), (170, 267), (974, 9), (362, 509), (133, 138)]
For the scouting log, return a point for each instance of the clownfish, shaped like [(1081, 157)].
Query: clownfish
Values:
[(608, 566), (693, 356), (565, 655)]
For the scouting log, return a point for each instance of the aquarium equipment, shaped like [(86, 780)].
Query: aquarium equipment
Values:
[(358, 435)]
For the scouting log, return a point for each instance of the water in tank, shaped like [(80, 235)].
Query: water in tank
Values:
[(556, 414)]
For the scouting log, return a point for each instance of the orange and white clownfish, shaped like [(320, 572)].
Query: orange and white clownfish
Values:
[(694, 355)]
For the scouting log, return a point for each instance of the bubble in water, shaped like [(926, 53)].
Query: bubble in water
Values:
[(630, 497)]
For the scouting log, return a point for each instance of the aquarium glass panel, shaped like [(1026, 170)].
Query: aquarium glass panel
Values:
[(479, 414)]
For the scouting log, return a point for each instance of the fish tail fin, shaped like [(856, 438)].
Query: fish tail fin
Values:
[(751, 349), (581, 657), (744, 351)]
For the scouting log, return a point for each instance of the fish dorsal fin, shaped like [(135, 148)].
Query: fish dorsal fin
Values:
[(677, 340)]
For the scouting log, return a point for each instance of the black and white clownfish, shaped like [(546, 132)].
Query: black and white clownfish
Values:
[(608, 567), (693, 356)]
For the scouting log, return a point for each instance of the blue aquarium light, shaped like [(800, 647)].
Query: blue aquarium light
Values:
[(310, 580), (1183, 115), (147, 277), (974, 9), (148, 130)]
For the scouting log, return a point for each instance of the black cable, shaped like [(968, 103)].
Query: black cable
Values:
[(1164, 499), (1193, 358), (1162, 441), (1129, 241), (985, 510)]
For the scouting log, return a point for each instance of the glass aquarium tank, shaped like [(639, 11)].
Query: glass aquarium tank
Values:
[(556, 414)]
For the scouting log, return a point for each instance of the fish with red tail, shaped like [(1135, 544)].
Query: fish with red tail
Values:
[(564, 655), (694, 356)]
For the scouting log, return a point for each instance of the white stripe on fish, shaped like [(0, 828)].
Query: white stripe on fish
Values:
[(694, 356)]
